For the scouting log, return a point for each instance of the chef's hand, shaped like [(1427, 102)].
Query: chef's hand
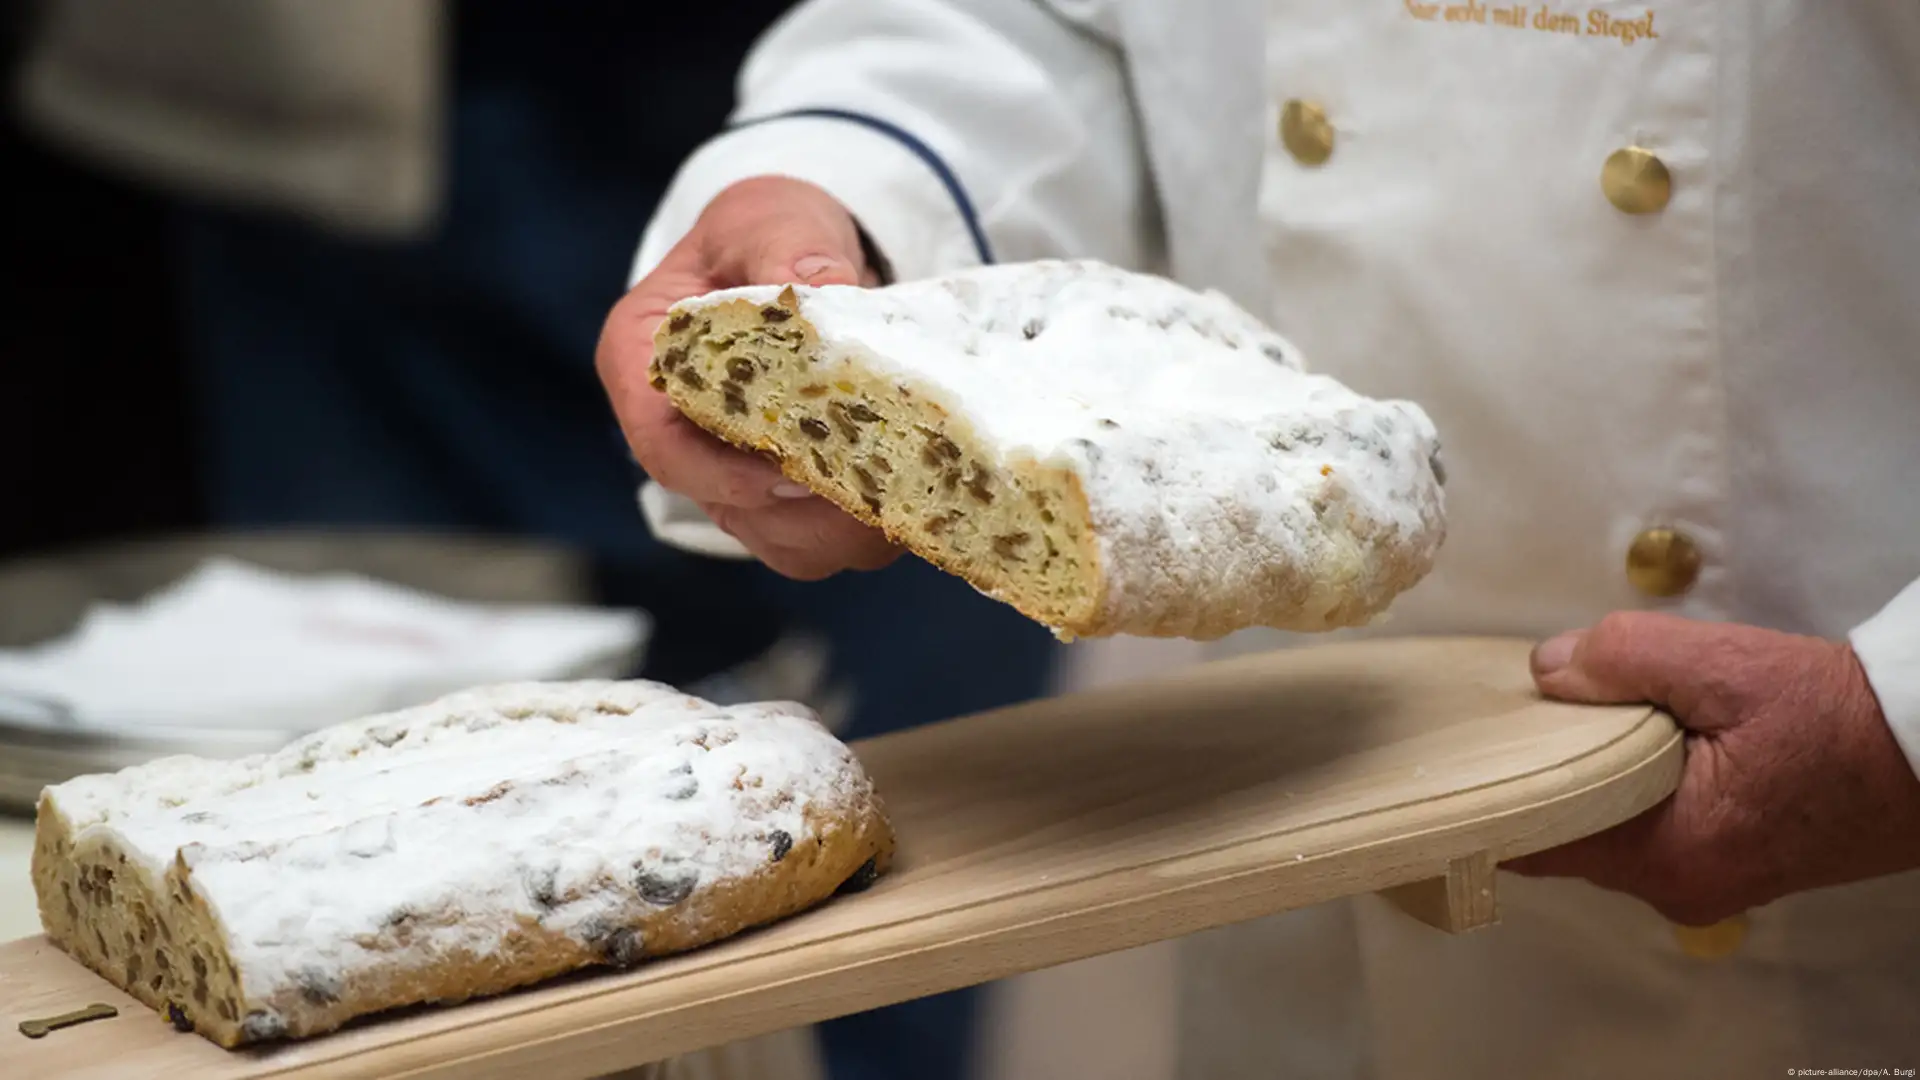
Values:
[(1792, 780), (764, 231)]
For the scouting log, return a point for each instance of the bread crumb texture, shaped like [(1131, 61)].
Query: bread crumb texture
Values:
[(483, 842), (1108, 452)]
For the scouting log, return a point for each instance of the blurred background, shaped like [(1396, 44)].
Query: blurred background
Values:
[(301, 299)]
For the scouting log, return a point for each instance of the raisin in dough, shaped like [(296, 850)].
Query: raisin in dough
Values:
[(485, 841), (1108, 452)]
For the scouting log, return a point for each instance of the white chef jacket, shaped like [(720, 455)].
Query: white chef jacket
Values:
[(1740, 366)]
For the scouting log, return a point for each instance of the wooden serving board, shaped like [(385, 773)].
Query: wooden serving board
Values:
[(1031, 836)]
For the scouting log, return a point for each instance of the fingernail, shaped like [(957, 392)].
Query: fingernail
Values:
[(812, 267), (1555, 653), (787, 489)]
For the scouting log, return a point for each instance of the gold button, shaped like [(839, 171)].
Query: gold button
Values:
[(1305, 132), (1662, 562), (1636, 181), (1715, 942)]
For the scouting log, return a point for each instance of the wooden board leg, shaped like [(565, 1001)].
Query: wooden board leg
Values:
[(1460, 901)]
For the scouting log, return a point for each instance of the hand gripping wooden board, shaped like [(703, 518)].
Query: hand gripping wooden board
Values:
[(1029, 837)]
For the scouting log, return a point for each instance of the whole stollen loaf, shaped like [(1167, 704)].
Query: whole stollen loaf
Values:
[(486, 841), (1108, 452)]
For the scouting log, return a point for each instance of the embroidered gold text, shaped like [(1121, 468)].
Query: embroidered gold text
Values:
[(1542, 18)]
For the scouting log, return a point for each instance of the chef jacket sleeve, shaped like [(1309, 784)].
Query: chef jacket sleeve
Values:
[(957, 132), (1888, 646)]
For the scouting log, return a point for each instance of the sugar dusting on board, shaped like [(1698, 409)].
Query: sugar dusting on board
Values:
[(437, 830), (1227, 484)]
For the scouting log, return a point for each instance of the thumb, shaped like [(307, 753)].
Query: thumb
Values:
[(776, 231), (1673, 663)]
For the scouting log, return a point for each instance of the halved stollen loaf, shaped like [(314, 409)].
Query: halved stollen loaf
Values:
[(1108, 452), (485, 841)]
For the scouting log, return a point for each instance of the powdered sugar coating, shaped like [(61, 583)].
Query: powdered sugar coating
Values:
[(575, 807), (1228, 486)]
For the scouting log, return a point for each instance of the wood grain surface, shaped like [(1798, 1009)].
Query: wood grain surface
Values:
[(1030, 837)]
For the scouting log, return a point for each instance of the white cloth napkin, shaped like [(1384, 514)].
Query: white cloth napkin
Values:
[(235, 646)]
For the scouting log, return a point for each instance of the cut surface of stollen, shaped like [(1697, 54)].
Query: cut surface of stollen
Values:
[(1106, 451)]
